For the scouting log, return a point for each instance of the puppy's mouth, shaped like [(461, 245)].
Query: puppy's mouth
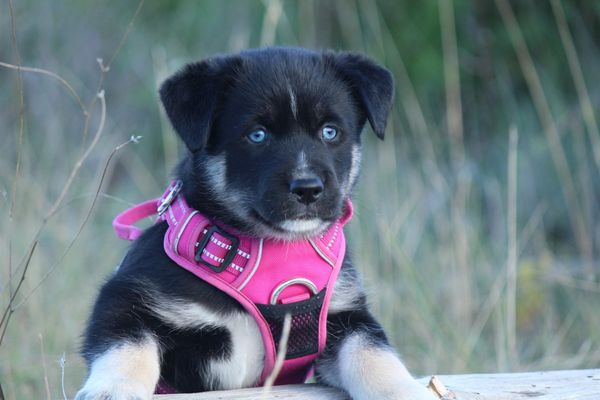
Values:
[(301, 226)]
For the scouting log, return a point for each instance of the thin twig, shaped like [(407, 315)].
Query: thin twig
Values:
[(10, 269), (83, 157), (125, 35), (100, 92), (105, 68), (52, 75), (72, 176), (81, 226), (88, 117), (285, 335), (63, 362), (9, 310)]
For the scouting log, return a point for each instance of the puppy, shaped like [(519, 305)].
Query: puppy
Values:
[(274, 140)]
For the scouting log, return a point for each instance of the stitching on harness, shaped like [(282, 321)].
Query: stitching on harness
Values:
[(220, 260), (335, 233), (225, 245)]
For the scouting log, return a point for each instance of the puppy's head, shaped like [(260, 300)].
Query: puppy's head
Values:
[(274, 135)]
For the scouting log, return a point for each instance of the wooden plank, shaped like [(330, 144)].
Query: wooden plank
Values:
[(548, 385), (306, 392)]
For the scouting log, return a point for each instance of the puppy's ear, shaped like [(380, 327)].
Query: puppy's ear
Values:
[(372, 85), (191, 96)]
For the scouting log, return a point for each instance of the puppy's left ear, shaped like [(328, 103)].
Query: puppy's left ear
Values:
[(373, 86)]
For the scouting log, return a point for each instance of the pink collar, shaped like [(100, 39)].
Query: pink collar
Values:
[(268, 278)]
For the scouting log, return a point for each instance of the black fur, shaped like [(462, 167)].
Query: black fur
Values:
[(212, 105)]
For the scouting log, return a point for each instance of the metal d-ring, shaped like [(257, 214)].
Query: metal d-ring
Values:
[(296, 281)]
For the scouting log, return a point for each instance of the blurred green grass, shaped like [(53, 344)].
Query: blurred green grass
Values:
[(432, 234)]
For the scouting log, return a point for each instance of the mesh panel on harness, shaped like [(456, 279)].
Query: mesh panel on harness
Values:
[(304, 334)]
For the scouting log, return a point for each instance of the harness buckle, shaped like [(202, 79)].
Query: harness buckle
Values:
[(227, 259), (166, 202)]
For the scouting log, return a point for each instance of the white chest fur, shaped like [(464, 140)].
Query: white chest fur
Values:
[(244, 365), (243, 368)]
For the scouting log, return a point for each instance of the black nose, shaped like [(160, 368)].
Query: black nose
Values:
[(307, 190)]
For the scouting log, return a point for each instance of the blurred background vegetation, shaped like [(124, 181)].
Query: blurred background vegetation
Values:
[(477, 228)]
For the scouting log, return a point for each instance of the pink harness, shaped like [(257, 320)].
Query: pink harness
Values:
[(268, 278)]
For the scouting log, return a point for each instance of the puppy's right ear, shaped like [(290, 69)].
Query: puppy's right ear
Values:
[(190, 97)]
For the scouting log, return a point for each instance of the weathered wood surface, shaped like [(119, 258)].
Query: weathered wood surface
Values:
[(296, 392), (550, 385)]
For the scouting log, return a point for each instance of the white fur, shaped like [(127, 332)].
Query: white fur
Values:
[(216, 166), (126, 371), (301, 225), (233, 200), (354, 170), (244, 365), (182, 314), (346, 293), (368, 372), (293, 102), (302, 165)]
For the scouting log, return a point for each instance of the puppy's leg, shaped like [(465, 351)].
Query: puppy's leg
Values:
[(122, 351), (358, 357), (126, 371), (359, 360)]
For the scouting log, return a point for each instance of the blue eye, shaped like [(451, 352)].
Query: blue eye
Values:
[(257, 136), (329, 133)]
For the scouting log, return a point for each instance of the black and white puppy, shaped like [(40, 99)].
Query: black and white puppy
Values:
[(252, 123)]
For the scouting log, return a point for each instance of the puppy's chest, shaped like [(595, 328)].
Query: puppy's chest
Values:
[(243, 364), (227, 350)]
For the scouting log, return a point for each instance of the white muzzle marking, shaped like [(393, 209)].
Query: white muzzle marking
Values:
[(301, 225)]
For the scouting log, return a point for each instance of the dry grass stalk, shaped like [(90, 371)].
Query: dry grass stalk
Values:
[(21, 110), (587, 110), (285, 335), (83, 157), (511, 262), (88, 214), (46, 383), (549, 127), (454, 118), (273, 13), (451, 77), (23, 267), (10, 309), (51, 74)]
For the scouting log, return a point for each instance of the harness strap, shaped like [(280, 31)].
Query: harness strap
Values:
[(123, 224), (268, 278), (212, 247)]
